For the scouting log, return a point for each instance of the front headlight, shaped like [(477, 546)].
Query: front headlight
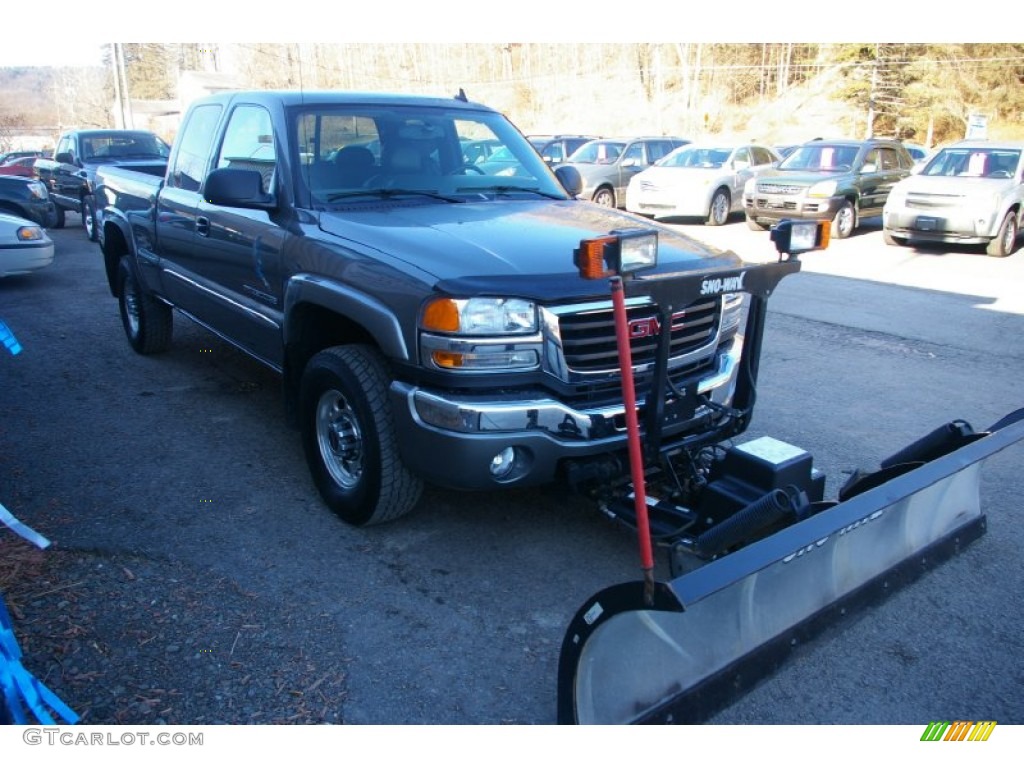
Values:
[(29, 234), (823, 189), (480, 316), (38, 190), (482, 335)]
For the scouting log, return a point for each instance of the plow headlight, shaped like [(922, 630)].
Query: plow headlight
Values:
[(794, 237), (619, 253)]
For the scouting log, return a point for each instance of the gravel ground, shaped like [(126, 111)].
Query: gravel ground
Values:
[(105, 632)]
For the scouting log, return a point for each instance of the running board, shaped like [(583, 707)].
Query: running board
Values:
[(709, 635)]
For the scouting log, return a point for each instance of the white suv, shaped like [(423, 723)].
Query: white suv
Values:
[(970, 192)]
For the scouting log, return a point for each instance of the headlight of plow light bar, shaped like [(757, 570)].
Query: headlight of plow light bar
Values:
[(621, 252), (794, 237)]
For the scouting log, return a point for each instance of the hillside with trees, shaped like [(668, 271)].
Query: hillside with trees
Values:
[(779, 92)]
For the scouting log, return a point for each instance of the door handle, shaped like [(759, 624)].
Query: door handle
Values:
[(202, 226)]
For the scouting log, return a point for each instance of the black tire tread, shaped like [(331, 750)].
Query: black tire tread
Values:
[(156, 319), (400, 490)]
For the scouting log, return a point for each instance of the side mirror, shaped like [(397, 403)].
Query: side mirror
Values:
[(630, 162), (868, 168), (570, 179), (740, 165), (65, 157), (236, 188)]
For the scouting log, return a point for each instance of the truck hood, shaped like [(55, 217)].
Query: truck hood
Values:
[(526, 243)]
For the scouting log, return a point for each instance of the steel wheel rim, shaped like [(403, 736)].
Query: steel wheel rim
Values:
[(339, 438), (845, 221), (90, 222), (720, 208), (1009, 237)]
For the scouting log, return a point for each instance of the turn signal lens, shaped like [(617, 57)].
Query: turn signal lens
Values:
[(441, 315)]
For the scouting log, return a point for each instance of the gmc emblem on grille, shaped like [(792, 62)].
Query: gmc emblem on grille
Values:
[(651, 326)]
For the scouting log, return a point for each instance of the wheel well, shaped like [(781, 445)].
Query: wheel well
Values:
[(312, 328), (114, 247)]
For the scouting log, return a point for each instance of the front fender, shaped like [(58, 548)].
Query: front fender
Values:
[(372, 314)]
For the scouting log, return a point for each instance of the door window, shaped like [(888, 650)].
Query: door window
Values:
[(195, 145), (249, 143)]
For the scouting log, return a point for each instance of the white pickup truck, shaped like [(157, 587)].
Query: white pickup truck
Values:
[(970, 192)]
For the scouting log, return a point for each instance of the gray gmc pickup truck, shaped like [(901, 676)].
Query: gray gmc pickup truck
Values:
[(428, 319)]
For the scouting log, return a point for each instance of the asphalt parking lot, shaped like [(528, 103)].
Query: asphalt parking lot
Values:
[(214, 586)]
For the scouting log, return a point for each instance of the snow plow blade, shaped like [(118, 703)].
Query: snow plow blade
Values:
[(709, 635)]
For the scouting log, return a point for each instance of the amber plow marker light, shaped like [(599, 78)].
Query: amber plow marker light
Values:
[(621, 252), (796, 237)]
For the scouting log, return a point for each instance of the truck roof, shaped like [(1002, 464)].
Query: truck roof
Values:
[(291, 98)]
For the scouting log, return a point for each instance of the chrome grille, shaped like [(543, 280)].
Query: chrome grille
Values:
[(775, 188), (588, 338)]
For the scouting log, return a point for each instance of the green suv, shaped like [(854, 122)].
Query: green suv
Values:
[(839, 181)]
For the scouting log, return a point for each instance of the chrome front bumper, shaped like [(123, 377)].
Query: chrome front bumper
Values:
[(452, 440)]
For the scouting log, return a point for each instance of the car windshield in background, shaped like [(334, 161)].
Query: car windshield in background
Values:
[(123, 146), (696, 157), (820, 157), (979, 163), (435, 151), (599, 152)]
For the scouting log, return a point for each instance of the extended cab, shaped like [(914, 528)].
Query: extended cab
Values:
[(971, 192), (70, 175), (840, 181), (428, 319)]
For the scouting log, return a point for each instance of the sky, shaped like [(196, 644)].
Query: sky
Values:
[(446, 21)]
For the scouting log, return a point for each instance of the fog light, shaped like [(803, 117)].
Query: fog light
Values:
[(503, 462)]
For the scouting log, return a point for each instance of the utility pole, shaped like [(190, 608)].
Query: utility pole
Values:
[(871, 96), (118, 98), (127, 118)]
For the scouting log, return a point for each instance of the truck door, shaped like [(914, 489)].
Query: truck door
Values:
[(179, 276), (238, 250)]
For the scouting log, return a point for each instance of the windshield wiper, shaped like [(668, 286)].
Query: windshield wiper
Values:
[(504, 189), (387, 194)]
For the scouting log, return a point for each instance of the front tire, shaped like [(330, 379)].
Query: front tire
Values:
[(845, 221), (89, 217), (605, 196), (59, 223), (755, 225), (721, 204), (349, 438), (1006, 239), (148, 323)]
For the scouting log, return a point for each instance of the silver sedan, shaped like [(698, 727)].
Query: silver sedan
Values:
[(699, 180), (24, 246)]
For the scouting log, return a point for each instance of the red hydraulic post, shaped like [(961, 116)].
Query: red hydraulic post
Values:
[(636, 461)]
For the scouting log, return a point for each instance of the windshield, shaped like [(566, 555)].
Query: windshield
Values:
[(602, 152), (697, 157), (821, 157), (123, 145), (351, 155), (977, 162)]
